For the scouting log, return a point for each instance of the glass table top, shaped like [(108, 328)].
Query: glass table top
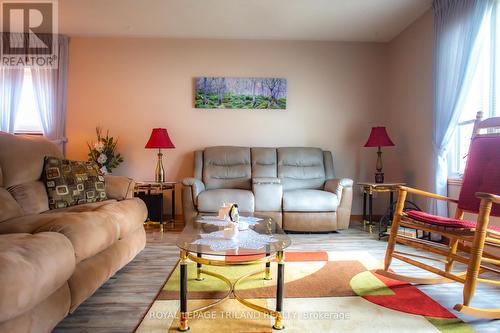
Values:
[(204, 234)]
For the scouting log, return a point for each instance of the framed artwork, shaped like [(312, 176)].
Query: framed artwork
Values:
[(240, 93)]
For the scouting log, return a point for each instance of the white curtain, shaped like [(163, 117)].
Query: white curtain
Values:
[(11, 85), (491, 63), (50, 87), (456, 27)]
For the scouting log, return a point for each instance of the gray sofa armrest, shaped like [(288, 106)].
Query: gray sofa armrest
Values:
[(191, 188), (119, 187), (197, 186), (343, 188), (337, 186), (268, 193)]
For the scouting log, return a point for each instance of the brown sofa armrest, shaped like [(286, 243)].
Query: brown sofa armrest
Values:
[(119, 187)]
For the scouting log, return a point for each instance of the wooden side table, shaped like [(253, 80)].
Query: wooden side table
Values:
[(153, 194), (368, 190)]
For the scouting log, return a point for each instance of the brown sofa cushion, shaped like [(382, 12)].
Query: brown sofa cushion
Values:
[(89, 232), (27, 223), (128, 214), (31, 196), (32, 268), (9, 208), (72, 183), (91, 273), (43, 317), (21, 157), (90, 207)]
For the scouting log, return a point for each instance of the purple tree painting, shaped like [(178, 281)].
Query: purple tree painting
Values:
[(240, 93)]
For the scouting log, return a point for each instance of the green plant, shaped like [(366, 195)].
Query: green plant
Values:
[(103, 152)]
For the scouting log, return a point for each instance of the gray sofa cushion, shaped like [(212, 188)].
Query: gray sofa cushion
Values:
[(301, 168), (309, 201), (328, 160), (209, 201), (264, 162), (198, 164), (227, 167)]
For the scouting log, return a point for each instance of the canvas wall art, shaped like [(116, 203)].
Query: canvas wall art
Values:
[(240, 93)]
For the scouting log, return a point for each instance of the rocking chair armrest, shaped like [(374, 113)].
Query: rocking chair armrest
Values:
[(427, 194), (488, 196)]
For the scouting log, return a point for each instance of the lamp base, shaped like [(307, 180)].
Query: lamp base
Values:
[(159, 177), (159, 172), (379, 177)]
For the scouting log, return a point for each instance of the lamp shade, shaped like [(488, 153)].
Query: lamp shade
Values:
[(159, 139), (379, 138)]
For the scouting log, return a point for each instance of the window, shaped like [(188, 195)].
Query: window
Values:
[(28, 118), (484, 89)]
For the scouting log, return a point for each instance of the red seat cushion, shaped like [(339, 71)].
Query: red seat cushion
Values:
[(444, 221), (482, 173)]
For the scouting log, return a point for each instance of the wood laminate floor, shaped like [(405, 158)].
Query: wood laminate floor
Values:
[(120, 303)]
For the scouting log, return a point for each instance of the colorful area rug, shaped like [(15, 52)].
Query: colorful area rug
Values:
[(325, 292)]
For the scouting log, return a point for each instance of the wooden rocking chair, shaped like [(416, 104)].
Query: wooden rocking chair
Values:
[(480, 194)]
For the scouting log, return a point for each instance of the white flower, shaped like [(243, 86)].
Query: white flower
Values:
[(104, 170), (102, 159), (99, 147)]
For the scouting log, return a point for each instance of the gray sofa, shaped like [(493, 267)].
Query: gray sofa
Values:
[(294, 185)]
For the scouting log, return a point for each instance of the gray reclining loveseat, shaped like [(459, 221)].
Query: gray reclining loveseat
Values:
[(294, 185)]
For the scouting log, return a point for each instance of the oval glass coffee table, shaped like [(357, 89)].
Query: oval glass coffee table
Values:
[(202, 241)]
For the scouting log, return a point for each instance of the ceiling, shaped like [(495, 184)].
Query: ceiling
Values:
[(325, 20)]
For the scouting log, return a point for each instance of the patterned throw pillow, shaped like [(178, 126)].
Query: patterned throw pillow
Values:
[(71, 183)]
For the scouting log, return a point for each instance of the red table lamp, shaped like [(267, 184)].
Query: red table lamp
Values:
[(379, 138), (159, 139)]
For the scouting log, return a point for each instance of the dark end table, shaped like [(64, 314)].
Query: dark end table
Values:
[(152, 193), (368, 190)]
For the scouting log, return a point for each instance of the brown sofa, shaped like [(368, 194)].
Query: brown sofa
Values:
[(52, 260)]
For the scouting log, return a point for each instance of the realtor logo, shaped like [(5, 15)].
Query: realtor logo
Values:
[(29, 35)]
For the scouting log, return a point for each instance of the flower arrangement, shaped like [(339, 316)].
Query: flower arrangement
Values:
[(103, 152)]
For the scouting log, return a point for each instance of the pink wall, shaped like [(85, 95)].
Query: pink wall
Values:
[(336, 93), (409, 101)]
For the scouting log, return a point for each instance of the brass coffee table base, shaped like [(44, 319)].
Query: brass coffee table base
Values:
[(277, 314)]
